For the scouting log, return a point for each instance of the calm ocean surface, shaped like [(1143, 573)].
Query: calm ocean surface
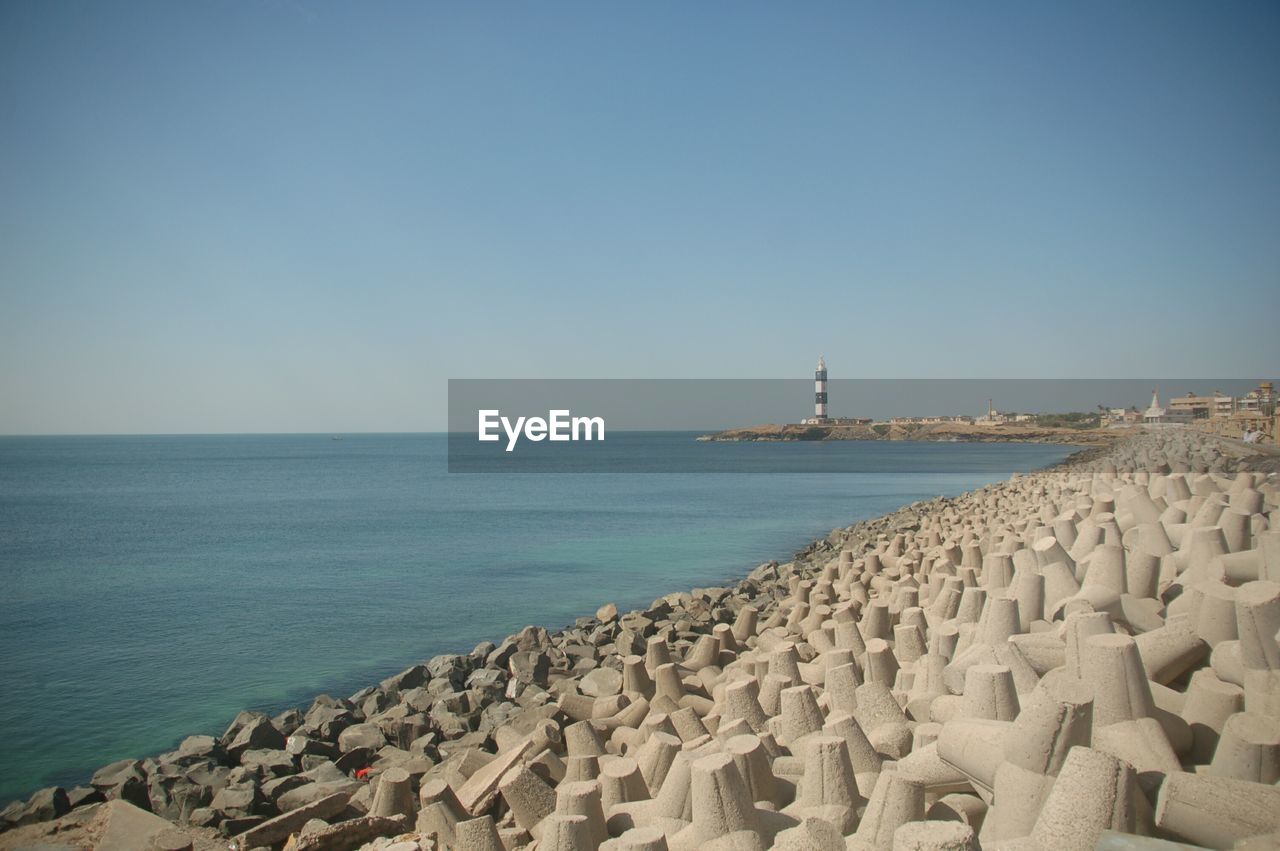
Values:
[(155, 586)]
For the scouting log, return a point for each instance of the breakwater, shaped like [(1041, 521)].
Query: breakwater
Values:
[(1075, 651)]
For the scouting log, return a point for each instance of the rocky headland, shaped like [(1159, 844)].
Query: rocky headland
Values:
[(1075, 657)]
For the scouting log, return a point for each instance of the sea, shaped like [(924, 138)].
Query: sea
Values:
[(152, 587)]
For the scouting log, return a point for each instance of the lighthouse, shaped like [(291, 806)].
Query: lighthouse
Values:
[(820, 391)]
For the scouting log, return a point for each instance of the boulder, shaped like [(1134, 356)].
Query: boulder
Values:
[(120, 826), (196, 749), (274, 789), (84, 795), (300, 745), (288, 721), (413, 677), (354, 760), (404, 731), (175, 791), (348, 834), (311, 792), (278, 829), (602, 682), (481, 652), (239, 801), (269, 763), (256, 733), (361, 736), (490, 681), (125, 781), (450, 667), (327, 718), (44, 805), (530, 666)]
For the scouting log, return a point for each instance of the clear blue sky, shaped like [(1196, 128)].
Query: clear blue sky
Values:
[(291, 216)]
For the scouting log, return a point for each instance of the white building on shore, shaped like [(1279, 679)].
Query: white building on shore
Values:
[(1158, 415)]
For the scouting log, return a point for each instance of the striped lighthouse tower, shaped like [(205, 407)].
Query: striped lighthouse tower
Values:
[(820, 391)]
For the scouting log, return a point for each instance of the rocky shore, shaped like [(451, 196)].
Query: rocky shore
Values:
[(1080, 657)]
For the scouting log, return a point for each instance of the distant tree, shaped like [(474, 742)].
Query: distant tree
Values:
[(1071, 419)]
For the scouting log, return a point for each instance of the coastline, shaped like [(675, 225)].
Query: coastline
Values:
[(925, 432), (431, 719)]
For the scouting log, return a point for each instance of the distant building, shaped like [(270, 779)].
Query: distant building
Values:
[(1120, 417), (1202, 407), (992, 416), (1261, 401), (931, 420), (1157, 415)]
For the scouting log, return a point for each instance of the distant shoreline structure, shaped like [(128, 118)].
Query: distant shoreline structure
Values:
[(1253, 413), (946, 432)]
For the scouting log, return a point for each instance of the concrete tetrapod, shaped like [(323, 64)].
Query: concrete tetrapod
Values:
[(935, 836), (479, 834), (1094, 792), (894, 802), (722, 806), (1216, 811)]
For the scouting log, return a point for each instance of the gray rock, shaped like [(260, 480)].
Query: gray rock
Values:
[(350, 834), (124, 780), (288, 721), (278, 829), (354, 760), (312, 792), (450, 667), (124, 827), (256, 733), (44, 805), (378, 702), (361, 736), (175, 791), (196, 749), (84, 795), (407, 679), (602, 682), (327, 718), (277, 787), (237, 801), (629, 643), (495, 715), (326, 772), (417, 700), (300, 745), (492, 680), (269, 763), (530, 666), (403, 732), (239, 824), (481, 652)]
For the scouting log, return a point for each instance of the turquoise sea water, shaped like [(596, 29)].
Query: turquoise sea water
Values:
[(155, 586)]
